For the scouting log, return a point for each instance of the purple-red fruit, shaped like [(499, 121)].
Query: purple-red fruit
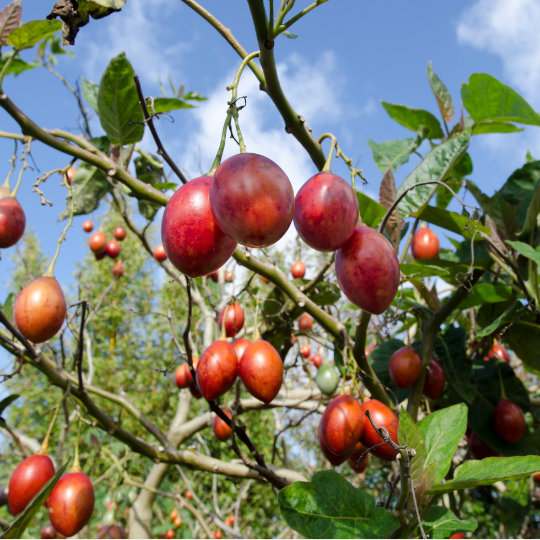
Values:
[(112, 249), (48, 531), (425, 244), (479, 449), (119, 233), (261, 370), (88, 226), (27, 480), (405, 367), (509, 421), (342, 425), (159, 253), (326, 212), (111, 531), (305, 322), (234, 319), (182, 375), (331, 457), (117, 269), (240, 346), (221, 430), (191, 237), (40, 309), (252, 200), (217, 370), (98, 243), (12, 222), (383, 417), (435, 380), (367, 270), (355, 463)]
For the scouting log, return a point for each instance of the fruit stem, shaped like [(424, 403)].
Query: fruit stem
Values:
[(13, 163), (44, 450), (50, 270), (219, 155), (76, 467), (503, 393), (234, 85), (333, 144), (256, 332)]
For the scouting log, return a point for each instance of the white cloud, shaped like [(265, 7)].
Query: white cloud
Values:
[(370, 107)]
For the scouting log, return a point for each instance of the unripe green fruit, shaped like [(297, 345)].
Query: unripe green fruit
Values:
[(327, 379)]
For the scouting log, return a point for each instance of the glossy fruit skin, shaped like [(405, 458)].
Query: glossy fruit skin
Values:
[(71, 172), (480, 450), (306, 350), (368, 350), (435, 380), (12, 222), (326, 212), (182, 376), (191, 237), (367, 270), (88, 226), (342, 425), (234, 319), (118, 269), (405, 367), (317, 360), (383, 417), (100, 256), (536, 478), (509, 421), (217, 370), (40, 309), (218, 535), (27, 480), (48, 531), (195, 392), (159, 253), (239, 346), (189, 495), (231, 519), (71, 503), (498, 351), (177, 522), (327, 379), (354, 464), (265, 280), (261, 370), (425, 244), (305, 322), (119, 233), (98, 242), (112, 249), (298, 270), (169, 534), (252, 200), (221, 430), (331, 457), (111, 531)]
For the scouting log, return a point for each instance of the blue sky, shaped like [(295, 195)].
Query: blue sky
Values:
[(349, 55)]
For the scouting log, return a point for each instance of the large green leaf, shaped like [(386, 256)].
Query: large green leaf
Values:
[(8, 306), (27, 35), (17, 65), (435, 166), (24, 519), (523, 337), (409, 435), (414, 118), (90, 92), (494, 127), (442, 432), (371, 212), (391, 154), (487, 293), (118, 103), (440, 522), (487, 99), (533, 210), (330, 507), (4, 403), (441, 94), (526, 250), (488, 471)]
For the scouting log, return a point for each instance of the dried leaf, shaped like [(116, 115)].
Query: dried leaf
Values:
[(495, 236), (10, 18)]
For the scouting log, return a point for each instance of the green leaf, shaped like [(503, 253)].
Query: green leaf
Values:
[(34, 506), (330, 507), (10, 18), (435, 166), (391, 154), (533, 210), (165, 186), (516, 502), (8, 306), (325, 293), (194, 96), (444, 196), (422, 270), (523, 337), (441, 94), (494, 127), (414, 118), (442, 431), (163, 105), (90, 92), (488, 471), (17, 65), (492, 327), (149, 170), (289, 35), (371, 212), (487, 99), (409, 435), (118, 103), (27, 35), (529, 158), (440, 522), (487, 293), (4, 403)]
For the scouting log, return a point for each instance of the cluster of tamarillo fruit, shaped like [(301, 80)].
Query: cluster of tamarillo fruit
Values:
[(101, 247)]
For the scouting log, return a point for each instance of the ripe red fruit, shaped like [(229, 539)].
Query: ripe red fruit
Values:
[(88, 226), (458, 535), (354, 464), (425, 244), (234, 319), (195, 392), (305, 322), (27, 480), (367, 270), (383, 417), (98, 242), (405, 367), (218, 535), (231, 519), (217, 369), (536, 478), (342, 425), (317, 360), (509, 421), (40, 309), (100, 256), (111, 531), (169, 534), (189, 495), (252, 200), (214, 276), (113, 249), (159, 253), (261, 370), (177, 522), (479, 449), (182, 375), (48, 531), (306, 350), (12, 222), (498, 351), (71, 503), (119, 233), (221, 430), (117, 269), (71, 172), (191, 237), (239, 346), (326, 212), (330, 456), (369, 349), (298, 270), (174, 514), (435, 380)]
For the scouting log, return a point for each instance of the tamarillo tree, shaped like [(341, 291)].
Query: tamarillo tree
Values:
[(423, 398)]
